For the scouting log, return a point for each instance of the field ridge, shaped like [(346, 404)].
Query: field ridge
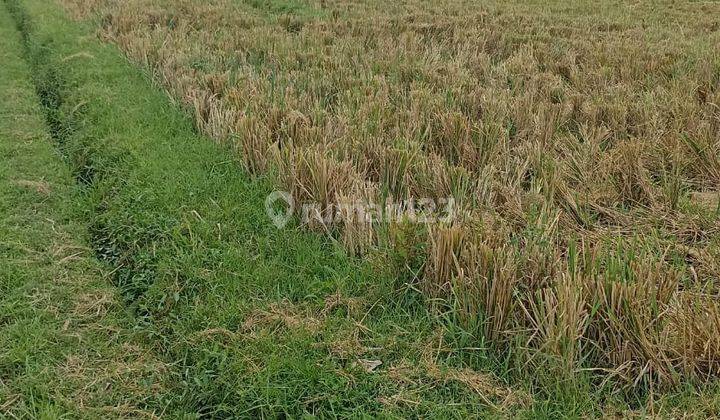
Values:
[(68, 349)]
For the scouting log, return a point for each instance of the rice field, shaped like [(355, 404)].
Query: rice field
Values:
[(577, 141), (581, 141)]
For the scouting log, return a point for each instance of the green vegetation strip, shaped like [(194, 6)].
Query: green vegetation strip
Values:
[(64, 348), (250, 320)]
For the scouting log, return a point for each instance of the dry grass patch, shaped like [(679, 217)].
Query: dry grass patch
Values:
[(41, 187), (413, 380)]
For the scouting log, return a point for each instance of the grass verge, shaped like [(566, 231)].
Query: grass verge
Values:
[(65, 349)]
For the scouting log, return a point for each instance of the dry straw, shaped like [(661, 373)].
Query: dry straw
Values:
[(582, 144)]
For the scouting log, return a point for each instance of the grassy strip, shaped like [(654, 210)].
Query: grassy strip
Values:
[(256, 321), (65, 349)]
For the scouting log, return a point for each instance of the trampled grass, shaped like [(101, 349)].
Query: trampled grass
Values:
[(580, 140)]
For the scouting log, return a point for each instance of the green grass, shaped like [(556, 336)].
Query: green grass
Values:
[(65, 349), (299, 8), (248, 320)]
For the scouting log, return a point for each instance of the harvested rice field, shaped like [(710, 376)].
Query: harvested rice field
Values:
[(406, 209)]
